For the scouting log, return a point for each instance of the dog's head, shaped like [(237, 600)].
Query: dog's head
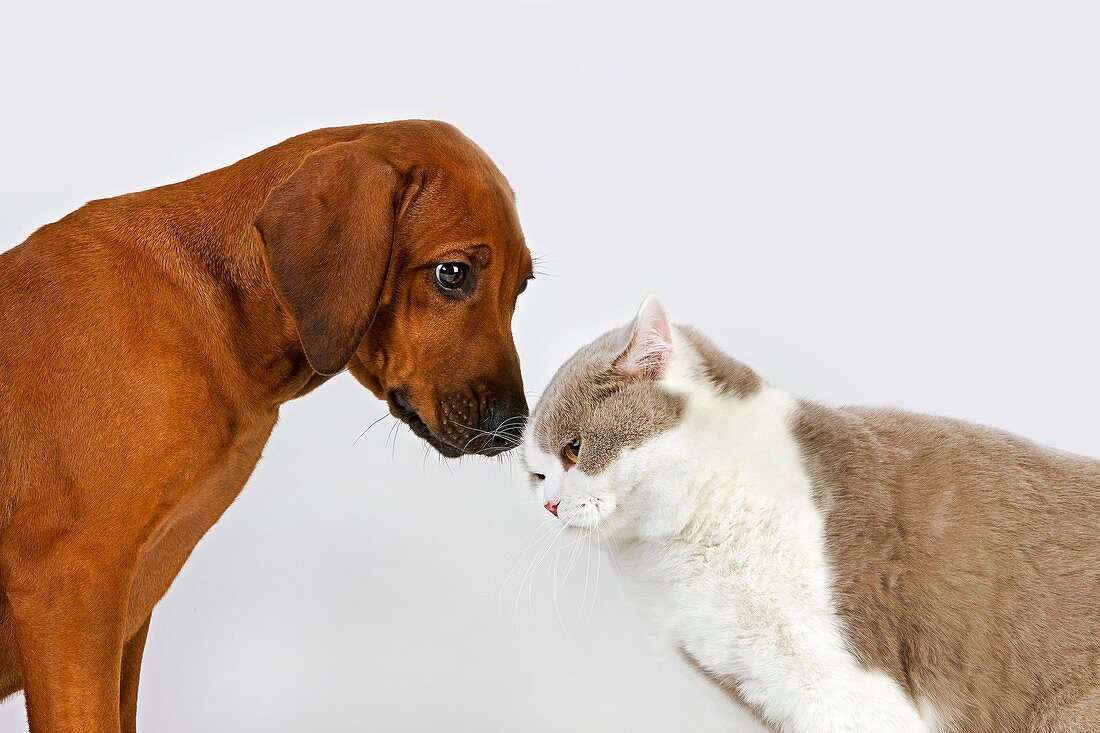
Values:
[(399, 255)]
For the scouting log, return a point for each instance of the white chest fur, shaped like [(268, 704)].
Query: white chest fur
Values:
[(744, 587)]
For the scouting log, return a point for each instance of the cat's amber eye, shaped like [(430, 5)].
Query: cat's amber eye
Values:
[(571, 453)]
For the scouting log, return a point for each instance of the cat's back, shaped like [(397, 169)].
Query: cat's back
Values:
[(934, 467), (967, 559), (958, 487), (927, 439)]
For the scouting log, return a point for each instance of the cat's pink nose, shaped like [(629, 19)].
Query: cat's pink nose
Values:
[(552, 506)]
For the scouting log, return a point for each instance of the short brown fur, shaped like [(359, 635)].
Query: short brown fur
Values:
[(150, 339)]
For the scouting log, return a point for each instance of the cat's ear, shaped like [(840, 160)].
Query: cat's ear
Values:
[(646, 356)]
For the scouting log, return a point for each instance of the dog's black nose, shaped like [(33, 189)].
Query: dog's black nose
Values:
[(506, 425)]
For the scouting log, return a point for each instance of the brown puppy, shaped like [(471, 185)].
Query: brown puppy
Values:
[(150, 339)]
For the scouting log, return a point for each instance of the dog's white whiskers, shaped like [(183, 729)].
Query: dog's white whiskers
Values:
[(511, 440)]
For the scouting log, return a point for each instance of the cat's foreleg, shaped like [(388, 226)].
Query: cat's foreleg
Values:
[(801, 680)]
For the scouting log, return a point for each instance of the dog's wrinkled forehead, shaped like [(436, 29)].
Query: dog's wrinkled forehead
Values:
[(591, 399)]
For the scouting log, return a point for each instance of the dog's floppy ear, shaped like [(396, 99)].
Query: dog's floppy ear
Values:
[(328, 234)]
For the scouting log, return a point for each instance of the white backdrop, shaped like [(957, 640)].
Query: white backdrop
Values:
[(868, 203)]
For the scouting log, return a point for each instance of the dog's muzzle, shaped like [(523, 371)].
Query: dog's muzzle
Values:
[(473, 422)]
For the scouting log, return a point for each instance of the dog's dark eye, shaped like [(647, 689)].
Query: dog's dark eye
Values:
[(451, 275)]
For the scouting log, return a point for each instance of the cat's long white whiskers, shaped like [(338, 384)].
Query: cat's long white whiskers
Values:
[(477, 434), (615, 538), (572, 559), (553, 584), (543, 530), (514, 420), (511, 440), (587, 571), (599, 563), (496, 432), (561, 578), (533, 539), (538, 564), (529, 553), (557, 584), (532, 566)]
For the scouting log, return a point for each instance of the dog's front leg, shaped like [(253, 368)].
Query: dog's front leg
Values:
[(68, 600), (131, 671)]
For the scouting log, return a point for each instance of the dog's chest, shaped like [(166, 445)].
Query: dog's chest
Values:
[(204, 490)]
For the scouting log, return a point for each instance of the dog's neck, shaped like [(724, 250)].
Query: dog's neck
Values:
[(210, 219)]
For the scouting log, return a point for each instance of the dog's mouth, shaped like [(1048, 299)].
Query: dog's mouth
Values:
[(402, 409)]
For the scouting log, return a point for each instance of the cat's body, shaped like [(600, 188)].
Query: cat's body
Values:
[(838, 569)]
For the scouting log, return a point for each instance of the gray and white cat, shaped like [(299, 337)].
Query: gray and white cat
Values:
[(836, 569)]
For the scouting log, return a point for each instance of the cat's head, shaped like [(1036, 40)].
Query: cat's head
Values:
[(607, 445)]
